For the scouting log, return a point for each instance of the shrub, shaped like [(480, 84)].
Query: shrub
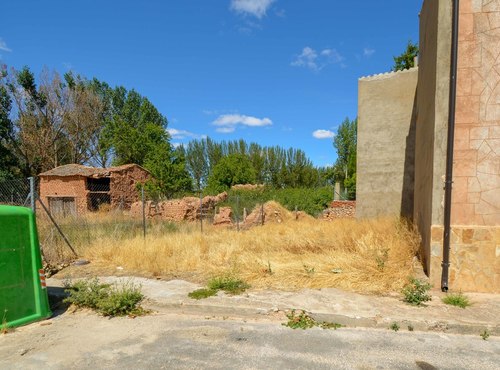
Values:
[(122, 300), (303, 321), (228, 284), (202, 293), (86, 293), (457, 299), (416, 292), (108, 300), (310, 200), (394, 326)]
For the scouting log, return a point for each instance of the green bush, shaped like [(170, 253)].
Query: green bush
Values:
[(457, 299), (86, 293), (416, 292), (310, 200), (228, 284), (108, 300), (202, 293)]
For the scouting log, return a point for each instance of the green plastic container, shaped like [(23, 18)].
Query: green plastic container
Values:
[(23, 292)]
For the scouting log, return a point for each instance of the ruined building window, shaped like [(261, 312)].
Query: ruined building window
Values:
[(100, 184)]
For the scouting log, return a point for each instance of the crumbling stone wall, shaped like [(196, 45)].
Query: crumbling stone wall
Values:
[(224, 217), (185, 209), (340, 209), (123, 187)]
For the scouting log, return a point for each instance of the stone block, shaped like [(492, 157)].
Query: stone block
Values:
[(464, 162), (467, 109)]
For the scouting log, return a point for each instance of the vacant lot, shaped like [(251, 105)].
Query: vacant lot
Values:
[(372, 256)]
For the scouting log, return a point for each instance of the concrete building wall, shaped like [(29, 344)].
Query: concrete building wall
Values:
[(475, 210), (432, 121), (385, 156)]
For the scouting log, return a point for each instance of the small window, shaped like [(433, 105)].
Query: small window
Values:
[(100, 184)]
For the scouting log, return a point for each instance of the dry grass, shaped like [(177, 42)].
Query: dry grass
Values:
[(372, 256)]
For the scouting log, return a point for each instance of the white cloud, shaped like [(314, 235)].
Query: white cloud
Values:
[(310, 58), (225, 130), (323, 134), (3, 46), (257, 8), (368, 52), (183, 134), (227, 123)]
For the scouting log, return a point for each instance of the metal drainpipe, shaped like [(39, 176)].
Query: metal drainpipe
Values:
[(449, 150)]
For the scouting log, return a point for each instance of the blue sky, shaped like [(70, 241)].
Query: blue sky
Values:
[(277, 72)]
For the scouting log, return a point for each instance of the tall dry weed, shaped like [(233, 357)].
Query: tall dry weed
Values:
[(372, 256)]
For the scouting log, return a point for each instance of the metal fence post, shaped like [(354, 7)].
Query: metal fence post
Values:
[(201, 212), (32, 193), (143, 212), (237, 212)]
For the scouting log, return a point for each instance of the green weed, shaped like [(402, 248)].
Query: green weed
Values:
[(457, 299), (485, 334), (4, 327), (298, 319), (202, 293), (416, 292), (228, 284), (394, 326), (107, 299)]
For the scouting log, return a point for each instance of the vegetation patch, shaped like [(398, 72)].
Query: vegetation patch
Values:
[(394, 326), (485, 334), (107, 299), (457, 299), (416, 292), (227, 283), (299, 319), (202, 293)]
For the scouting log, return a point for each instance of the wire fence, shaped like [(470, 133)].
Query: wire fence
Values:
[(73, 215)]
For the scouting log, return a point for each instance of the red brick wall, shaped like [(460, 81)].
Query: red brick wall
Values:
[(67, 186)]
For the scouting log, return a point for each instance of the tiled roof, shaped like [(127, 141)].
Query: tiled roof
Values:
[(381, 76), (86, 171)]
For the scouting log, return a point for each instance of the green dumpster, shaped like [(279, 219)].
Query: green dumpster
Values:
[(23, 292)]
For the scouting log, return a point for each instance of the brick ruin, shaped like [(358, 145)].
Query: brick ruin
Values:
[(75, 189), (340, 209), (185, 209)]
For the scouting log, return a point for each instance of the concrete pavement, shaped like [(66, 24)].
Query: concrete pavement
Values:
[(331, 305)]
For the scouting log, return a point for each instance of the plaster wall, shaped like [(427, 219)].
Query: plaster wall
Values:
[(385, 154), (431, 121)]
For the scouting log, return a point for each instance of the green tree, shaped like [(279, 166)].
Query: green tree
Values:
[(197, 162), (168, 168), (8, 162), (407, 59), (345, 142), (136, 128), (231, 170)]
